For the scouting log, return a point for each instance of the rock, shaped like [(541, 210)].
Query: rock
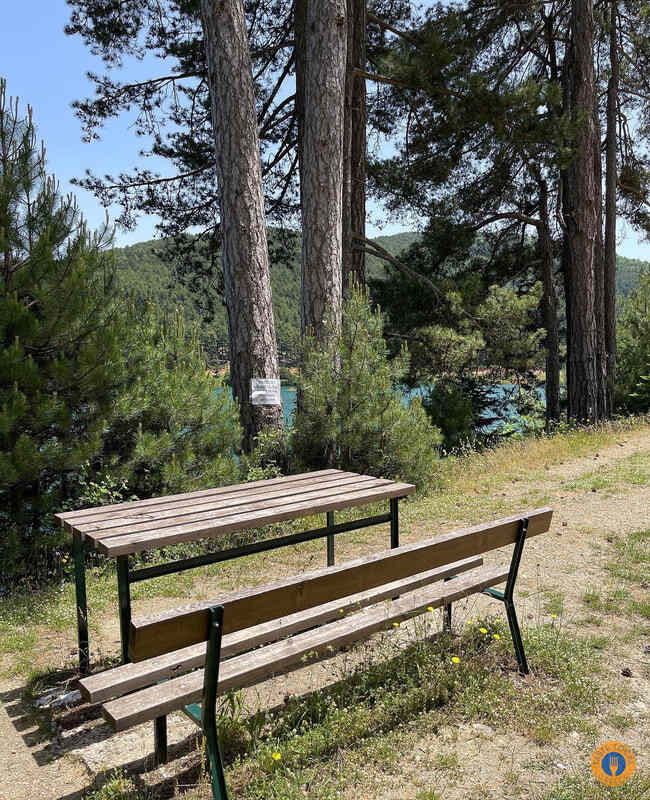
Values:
[(484, 729)]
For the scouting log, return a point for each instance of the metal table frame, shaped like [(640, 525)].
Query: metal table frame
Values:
[(127, 576)]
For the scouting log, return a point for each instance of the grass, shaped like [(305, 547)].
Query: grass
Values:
[(631, 561), (631, 471), (587, 788)]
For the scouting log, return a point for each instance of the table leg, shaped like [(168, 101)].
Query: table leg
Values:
[(394, 524), (330, 540), (79, 555), (124, 595)]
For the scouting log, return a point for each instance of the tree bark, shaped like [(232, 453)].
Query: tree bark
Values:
[(300, 50), (322, 174), (354, 162), (245, 258), (549, 303), (611, 179), (582, 215)]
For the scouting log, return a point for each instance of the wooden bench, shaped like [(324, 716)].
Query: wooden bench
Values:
[(256, 633)]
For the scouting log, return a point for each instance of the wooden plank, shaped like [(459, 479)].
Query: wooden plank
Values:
[(183, 627), (218, 510), (71, 516), (112, 518), (129, 677), (136, 542), (250, 668)]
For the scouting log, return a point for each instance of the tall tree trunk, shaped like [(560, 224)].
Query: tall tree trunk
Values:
[(582, 215), (245, 258), (322, 173), (549, 304), (599, 277), (611, 174), (300, 49), (354, 161)]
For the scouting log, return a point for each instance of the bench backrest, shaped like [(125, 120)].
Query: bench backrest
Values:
[(171, 631)]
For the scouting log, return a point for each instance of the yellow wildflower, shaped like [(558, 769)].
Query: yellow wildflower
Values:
[(429, 608), (483, 630), (395, 624), (276, 756), (553, 616), (455, 659), (496, 636)]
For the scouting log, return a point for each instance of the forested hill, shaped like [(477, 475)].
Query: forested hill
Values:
[(627, 273), (142, 272)]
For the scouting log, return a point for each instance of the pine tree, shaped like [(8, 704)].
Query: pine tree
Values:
[(60, 359), (97, 398)]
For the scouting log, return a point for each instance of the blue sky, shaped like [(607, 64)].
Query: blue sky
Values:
[(47, 70)]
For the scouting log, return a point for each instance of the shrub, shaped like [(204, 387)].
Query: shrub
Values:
[(351, 412)]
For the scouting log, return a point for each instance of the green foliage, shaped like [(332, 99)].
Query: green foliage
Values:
[(633, 329), (175, 427), (100, 400), (466, 335), (59, 344), (351, 413)]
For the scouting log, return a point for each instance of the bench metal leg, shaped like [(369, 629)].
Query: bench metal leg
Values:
[(446, 612), (124, 597), (516, 638), (330, 540), (506, 598), (79, 556), (208, 711), (160, 739)]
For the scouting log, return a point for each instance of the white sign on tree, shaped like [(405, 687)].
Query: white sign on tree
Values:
[(265, 392)]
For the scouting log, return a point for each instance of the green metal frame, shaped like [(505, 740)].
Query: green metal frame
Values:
[(127, 576), (205, 714), (79, 556), (506, 598)]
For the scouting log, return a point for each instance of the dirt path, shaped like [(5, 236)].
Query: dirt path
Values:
[(597, 498)]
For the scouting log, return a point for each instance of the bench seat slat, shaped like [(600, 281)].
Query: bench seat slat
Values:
[(255, 666), (183, 627), (130, 677)]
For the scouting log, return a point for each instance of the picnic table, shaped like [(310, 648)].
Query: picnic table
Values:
[(125, 529)]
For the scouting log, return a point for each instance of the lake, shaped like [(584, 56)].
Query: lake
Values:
[(289, 394)]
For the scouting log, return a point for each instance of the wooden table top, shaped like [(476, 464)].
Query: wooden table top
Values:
[(127, 528)]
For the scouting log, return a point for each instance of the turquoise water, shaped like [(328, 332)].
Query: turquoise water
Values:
[(289, 401)]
